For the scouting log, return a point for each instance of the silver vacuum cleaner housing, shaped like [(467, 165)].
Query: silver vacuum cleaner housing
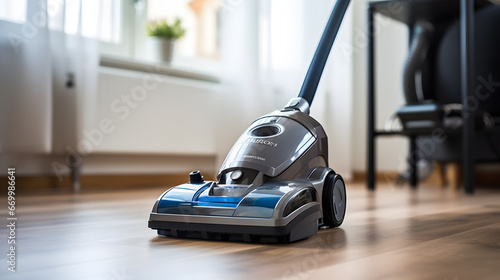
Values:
[(273, 144), (270, 186)]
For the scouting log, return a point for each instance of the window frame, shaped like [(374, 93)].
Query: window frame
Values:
[(125, 47), (131, 49)]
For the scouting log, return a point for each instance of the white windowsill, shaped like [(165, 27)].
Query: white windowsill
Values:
[(174, 69)]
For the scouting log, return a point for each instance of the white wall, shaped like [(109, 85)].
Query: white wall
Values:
[(152, 113), (167, 125), (333, 107), (391, 50)]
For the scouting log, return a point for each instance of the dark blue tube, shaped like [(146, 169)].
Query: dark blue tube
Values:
[(320, 57)]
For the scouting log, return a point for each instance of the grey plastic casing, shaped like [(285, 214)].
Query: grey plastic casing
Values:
[(292, 158), (276, 156)]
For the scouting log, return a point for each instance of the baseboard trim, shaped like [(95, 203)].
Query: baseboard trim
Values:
[(100, 182), (26, 184), (483, 176), (381, 176)]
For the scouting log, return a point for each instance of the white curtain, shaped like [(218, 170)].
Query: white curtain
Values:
[(48, 71), (75, 61), (266, 48), (25, 79)]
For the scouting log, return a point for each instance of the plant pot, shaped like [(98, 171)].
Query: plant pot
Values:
[(164, 48)]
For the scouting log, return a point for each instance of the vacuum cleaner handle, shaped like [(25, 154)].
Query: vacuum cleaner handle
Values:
[(320, 57)]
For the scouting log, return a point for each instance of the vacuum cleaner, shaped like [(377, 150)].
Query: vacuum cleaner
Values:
[(275, 185)]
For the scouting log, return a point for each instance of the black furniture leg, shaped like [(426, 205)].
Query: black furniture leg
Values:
[(413, 159), (371, 104), (467, 83), (76, 170)]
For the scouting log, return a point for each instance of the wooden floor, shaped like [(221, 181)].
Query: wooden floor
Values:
[(394, 233)]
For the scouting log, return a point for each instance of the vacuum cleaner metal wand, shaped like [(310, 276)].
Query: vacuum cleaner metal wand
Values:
[(320, 57)]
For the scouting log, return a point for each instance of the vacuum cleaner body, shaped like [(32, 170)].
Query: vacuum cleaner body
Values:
[(274, 185), (269, 187)]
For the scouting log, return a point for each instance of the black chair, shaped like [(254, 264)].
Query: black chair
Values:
[(434, 117)]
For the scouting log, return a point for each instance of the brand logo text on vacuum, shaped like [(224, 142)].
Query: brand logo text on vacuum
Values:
[(262, 141)]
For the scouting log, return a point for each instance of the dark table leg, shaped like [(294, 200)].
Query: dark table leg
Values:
[(413, 159), (371, 104), (467, 83), (76, 171)]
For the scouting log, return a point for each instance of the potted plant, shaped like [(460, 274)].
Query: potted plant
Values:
[(165, 34)]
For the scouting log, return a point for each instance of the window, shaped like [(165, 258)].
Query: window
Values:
[(199, 17), (13, 10), (104, 25), (110, 28), (120, 25), (123, 28)]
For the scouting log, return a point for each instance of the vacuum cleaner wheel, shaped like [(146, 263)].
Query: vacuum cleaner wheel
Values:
[(334, 200)]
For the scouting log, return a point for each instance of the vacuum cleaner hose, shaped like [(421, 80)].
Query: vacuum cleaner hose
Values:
[(320, 57)]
